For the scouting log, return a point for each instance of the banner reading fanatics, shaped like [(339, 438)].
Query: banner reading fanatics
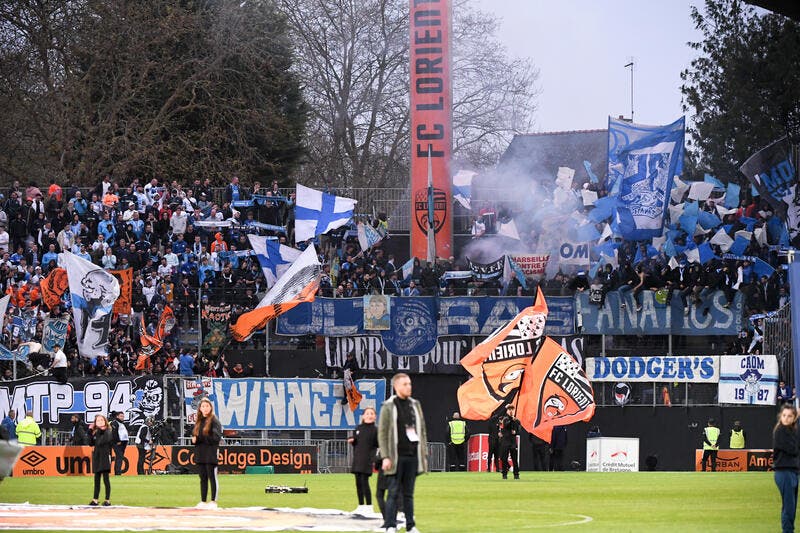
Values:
[(431, 125), (658, 319), (291, 403)]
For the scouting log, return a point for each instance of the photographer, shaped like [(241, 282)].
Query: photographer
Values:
[(145, 445)]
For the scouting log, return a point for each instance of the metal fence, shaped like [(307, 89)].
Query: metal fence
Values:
[(336, 456), (661, 394), (778, 339)]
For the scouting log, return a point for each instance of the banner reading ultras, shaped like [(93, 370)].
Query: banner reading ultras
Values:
[(431, 124)]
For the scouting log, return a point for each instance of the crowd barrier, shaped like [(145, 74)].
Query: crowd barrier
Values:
[(297, 457), (745, 460)]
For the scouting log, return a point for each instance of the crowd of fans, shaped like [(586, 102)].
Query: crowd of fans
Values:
[(183, 239)]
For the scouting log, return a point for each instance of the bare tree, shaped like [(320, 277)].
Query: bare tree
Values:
[(353, 60), (150, 89)]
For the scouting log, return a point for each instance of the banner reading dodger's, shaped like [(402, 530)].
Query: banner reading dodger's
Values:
[(93, 292), (518, 361), (298, 285), (431, 125)]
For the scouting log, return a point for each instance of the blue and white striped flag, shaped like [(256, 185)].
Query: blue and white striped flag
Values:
[(462, 187), (274, 258), (408, 269), (369, 236), (317, 212), (642, 164)]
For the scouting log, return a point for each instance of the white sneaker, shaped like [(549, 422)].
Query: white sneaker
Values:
[(413, 530), (391, 530), (201, 505), (212, 505)]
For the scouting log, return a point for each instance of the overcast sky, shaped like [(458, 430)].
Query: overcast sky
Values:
[(581, 47)]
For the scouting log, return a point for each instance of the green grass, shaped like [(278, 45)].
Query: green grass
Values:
[(618, 502)]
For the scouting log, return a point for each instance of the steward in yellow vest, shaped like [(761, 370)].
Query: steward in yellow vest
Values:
[(710, 444), (28, 430), (737, 436), (457, 435)]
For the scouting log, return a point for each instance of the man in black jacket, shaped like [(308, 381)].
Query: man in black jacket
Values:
[(508, 430), (120, 441)]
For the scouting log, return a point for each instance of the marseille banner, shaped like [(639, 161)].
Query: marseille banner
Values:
[(53, 403), (487, 271), (748, 379), (675, 369), (773, 173), (642, 163), (460, 315), (658, 319), (412, 329), (291, 403)]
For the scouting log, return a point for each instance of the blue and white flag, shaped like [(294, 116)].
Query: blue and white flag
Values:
[(642, 163), (274, 258), (317, 212), (462, 187), (369, 236), (511, 269), (93, 292), (408, 268)]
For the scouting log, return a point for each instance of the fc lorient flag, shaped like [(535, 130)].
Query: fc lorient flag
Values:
[(518, 364), (93, 292), (642, 164), (299, 284)]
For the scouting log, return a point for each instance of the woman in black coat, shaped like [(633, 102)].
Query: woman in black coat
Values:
[(785, 463), (365, 444), (206, 436), (100, 438)]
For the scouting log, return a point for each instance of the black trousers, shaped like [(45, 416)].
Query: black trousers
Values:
[(119, 457), (712, 454), (540, 457), (106, 482), (362, 488), (493, 453), (403, 480), (507, 450), (458, 456), (60, 374), (144, 455), (208, 475)]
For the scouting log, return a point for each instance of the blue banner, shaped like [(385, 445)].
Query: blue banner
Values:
[(642, 162), (412, 326), (461, 315), (244, 404), (658, 319)]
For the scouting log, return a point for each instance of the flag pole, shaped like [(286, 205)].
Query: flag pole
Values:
[(431, 231)]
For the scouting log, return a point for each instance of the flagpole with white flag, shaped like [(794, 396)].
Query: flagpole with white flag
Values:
[(431, 231)]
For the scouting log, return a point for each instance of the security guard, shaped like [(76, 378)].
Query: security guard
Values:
[(28, 430), (457, 435), (737, 436), (710, 444)]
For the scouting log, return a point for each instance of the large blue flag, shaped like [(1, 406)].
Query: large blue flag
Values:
[(274, 258), (642, 162), (317, 212)]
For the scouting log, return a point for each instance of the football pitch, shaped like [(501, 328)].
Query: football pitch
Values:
[(480, 502)]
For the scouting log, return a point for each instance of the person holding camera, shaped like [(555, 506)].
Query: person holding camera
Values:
[(144, 444), (206, 435), (101, 438)]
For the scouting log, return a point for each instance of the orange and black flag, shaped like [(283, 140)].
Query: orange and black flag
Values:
[(125, 300), (153, 343), (350, 391), (299, 284), (53, 287), (518, 364)]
